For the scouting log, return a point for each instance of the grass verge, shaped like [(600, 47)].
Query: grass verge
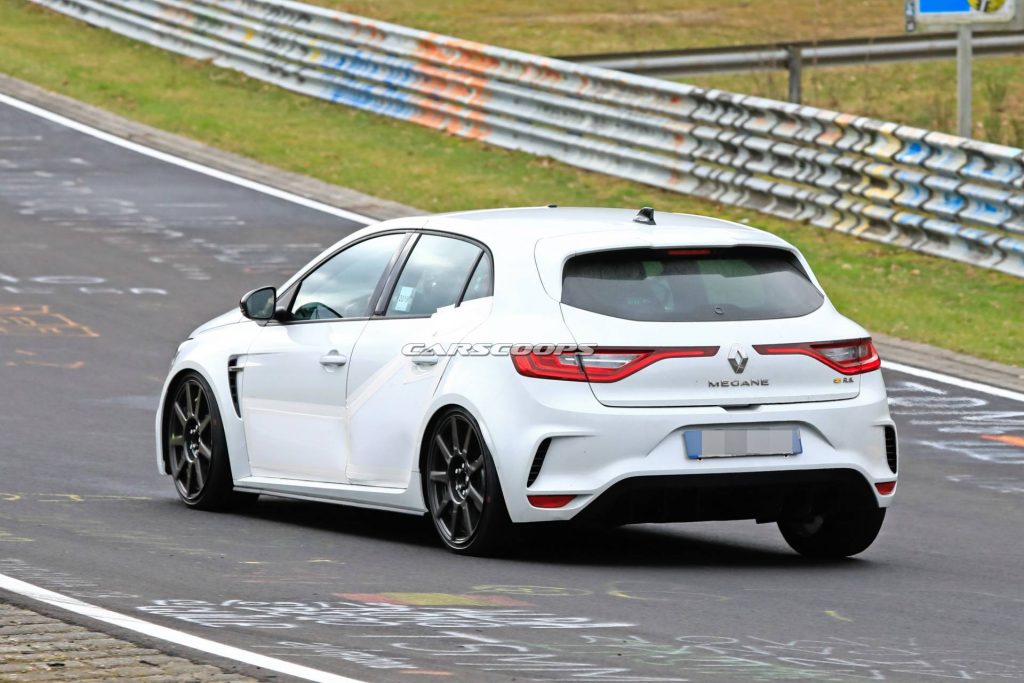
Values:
[(580, 26), (920, 94), (889, 290)]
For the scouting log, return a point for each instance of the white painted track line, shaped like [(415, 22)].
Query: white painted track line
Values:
[(185, 163), (166, 634), (954, 381)]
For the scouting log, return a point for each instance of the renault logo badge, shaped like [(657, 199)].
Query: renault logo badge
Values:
[(738, 359)]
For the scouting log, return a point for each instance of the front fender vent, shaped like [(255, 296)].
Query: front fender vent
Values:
[(538, 462), (234, 369)]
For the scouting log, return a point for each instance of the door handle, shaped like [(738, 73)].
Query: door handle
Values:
[(333, 359), (430, 359)]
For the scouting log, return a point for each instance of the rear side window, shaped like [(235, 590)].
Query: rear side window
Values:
[(690, 285), (434, 276), (481, 282)]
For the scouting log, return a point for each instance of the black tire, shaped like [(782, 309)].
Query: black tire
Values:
[(833, 535), (461, 487), (196, 449)]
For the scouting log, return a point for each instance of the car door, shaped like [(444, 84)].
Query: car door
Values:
[(390, 390), (292, 383)]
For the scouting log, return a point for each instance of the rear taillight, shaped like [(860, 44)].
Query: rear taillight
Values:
[(849, 357), (601, 365)]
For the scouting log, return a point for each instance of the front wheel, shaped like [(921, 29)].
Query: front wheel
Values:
[(463, 494), (833, 535), (197, 451)]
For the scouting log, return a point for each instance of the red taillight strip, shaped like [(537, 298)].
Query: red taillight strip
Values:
[(564, 366), (573, 367), (866, 362), (644, 358)]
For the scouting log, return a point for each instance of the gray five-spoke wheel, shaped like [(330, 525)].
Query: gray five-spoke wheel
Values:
[(190, 439), (457, 482)]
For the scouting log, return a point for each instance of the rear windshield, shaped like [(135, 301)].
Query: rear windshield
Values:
[(690, 285)]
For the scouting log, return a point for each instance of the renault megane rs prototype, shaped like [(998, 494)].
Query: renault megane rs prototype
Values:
[(492, 368)]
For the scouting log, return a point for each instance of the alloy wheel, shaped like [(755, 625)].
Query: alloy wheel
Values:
[(190, 439), (457, 482)]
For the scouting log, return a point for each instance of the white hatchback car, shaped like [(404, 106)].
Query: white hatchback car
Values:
[(498, 367)]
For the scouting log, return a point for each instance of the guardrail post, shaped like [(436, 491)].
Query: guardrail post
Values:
[(964, 102), (795, 62)]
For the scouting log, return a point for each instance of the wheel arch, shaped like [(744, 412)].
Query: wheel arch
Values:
[(173, 381), (443, 407), (428, 428)]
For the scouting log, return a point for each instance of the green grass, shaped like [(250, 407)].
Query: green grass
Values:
[(888, 290), (580, 26), (920, 94)]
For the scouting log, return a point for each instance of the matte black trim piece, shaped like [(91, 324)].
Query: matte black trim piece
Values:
[(317, 321), (469, 278), (538, 461), (395, 270), (234, 369), (891, 449), (764, 496), (381, 294)]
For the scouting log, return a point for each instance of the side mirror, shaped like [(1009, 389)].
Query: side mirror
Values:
[(259, 304)]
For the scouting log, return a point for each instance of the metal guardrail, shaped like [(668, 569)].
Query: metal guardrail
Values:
[(935, 193), (849, 52), (794, 57)]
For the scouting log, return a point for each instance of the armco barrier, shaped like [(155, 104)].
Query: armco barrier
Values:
[(931, 192)]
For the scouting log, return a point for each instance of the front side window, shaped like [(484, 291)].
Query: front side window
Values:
[(434, 276), (343, 286), (690, 285)]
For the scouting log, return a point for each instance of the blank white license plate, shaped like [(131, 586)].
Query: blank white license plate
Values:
[(733, 443)]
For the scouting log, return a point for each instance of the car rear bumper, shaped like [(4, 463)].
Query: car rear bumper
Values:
[(592, 451)]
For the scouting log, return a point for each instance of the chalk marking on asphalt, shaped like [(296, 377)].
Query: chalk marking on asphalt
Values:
[(166, 634), (185, 163), (1008, 439), (37, 320), (836, 615), (954, 381), (366, 220)]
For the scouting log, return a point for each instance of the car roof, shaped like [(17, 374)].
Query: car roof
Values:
[(493, 226)]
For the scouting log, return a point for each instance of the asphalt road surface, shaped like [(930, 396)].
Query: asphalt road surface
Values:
[(108, 259)]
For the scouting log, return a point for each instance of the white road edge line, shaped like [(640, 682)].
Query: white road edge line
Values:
[(170, 635), (954, 381), (185, 163)]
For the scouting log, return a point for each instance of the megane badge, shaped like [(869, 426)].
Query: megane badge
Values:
[(738, 359)]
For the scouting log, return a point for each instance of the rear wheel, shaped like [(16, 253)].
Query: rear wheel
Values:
[(462, 490), (831, 535), (197, 451)]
